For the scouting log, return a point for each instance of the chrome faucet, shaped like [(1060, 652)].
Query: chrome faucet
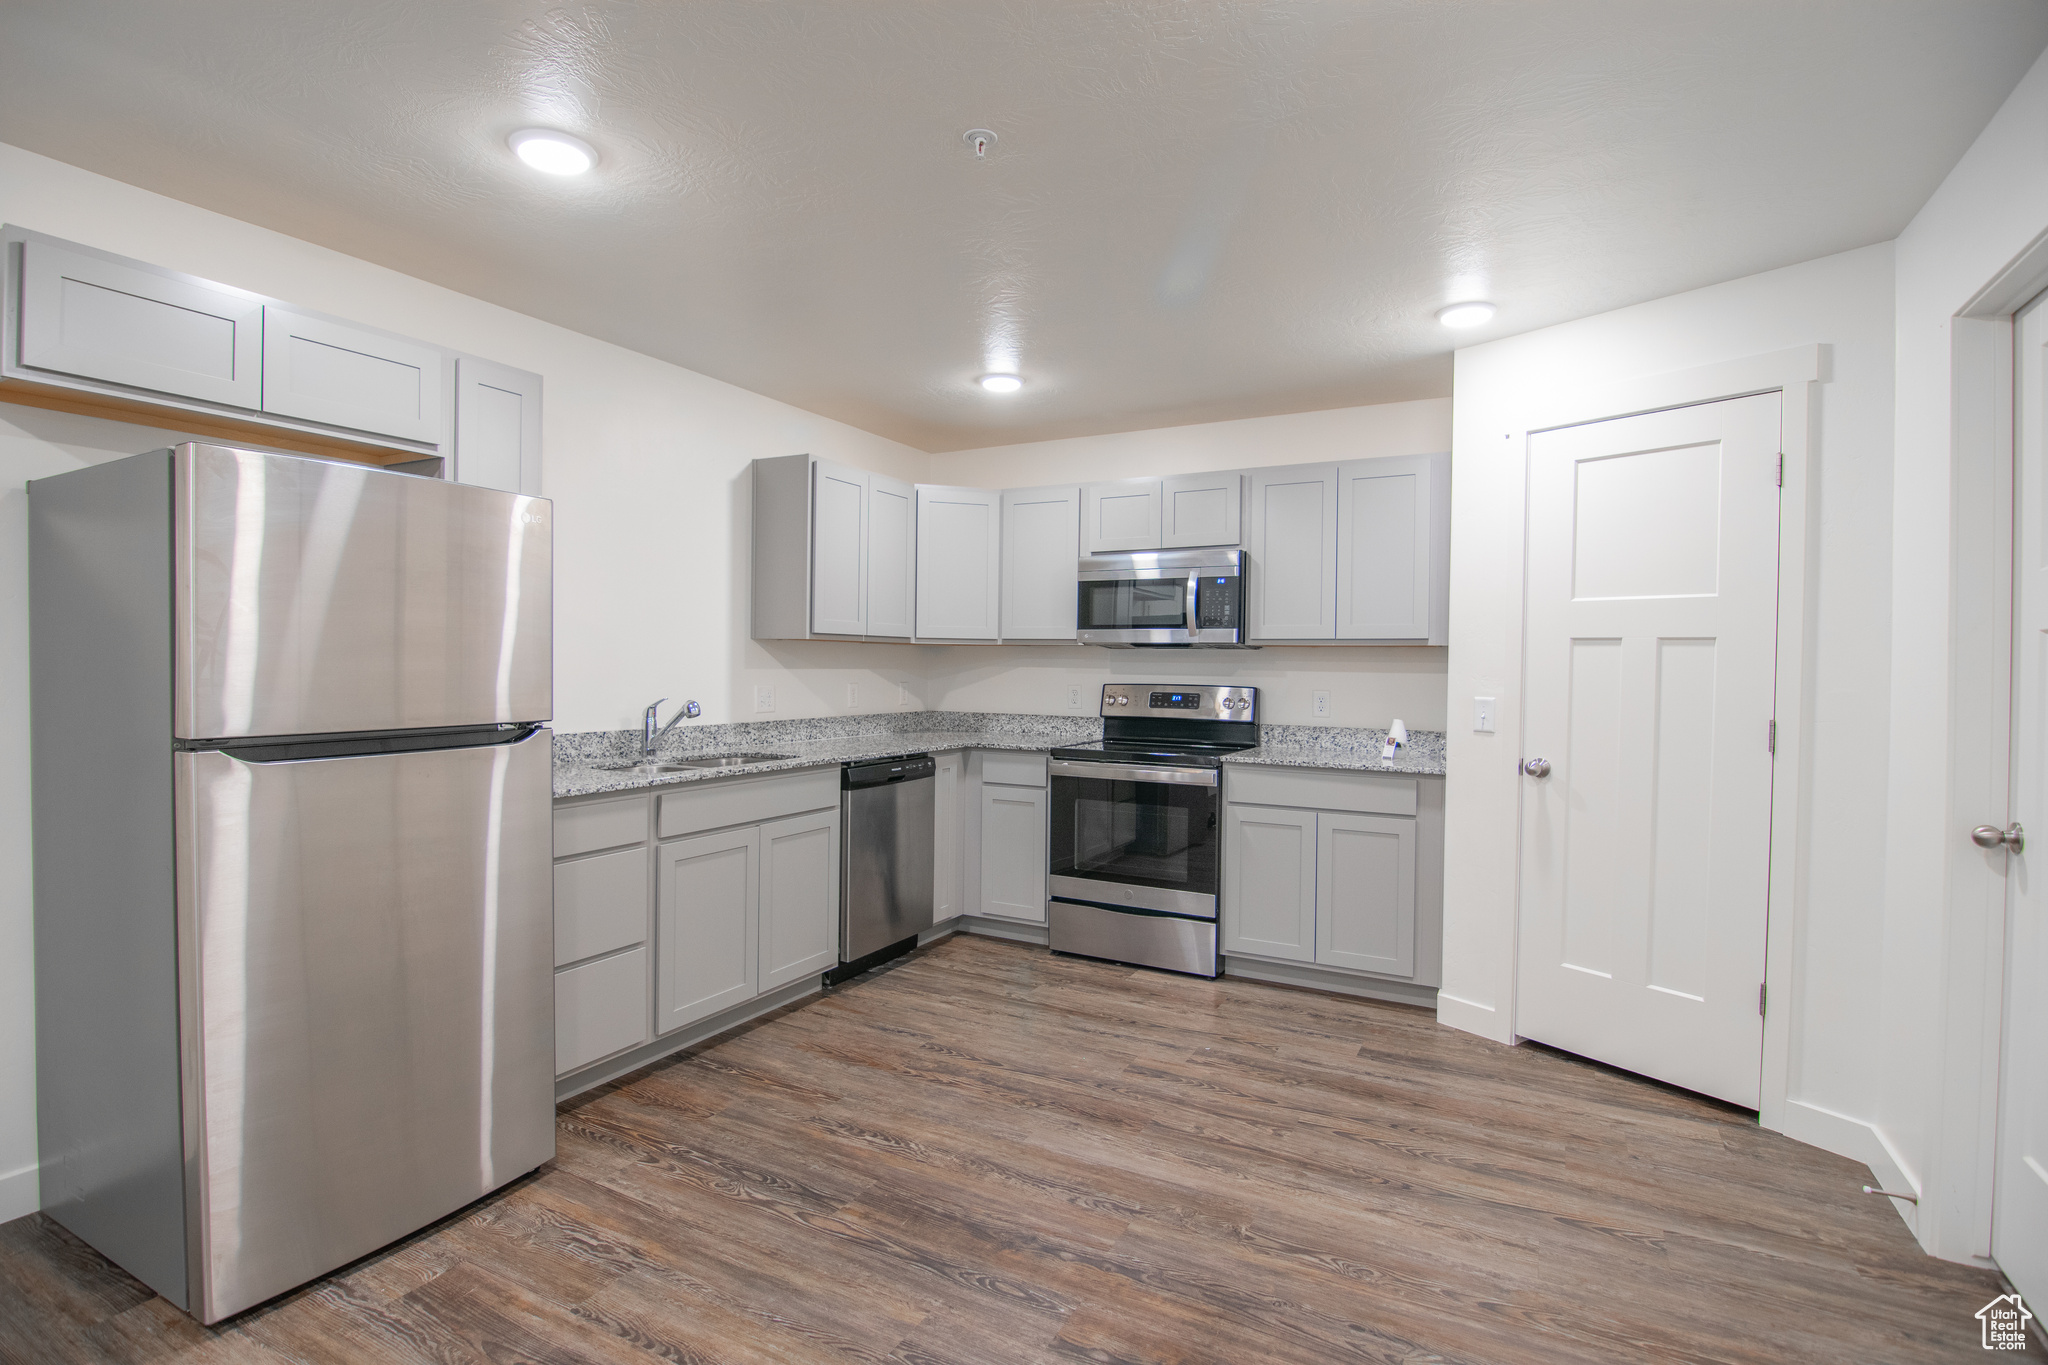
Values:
[(652, 736)]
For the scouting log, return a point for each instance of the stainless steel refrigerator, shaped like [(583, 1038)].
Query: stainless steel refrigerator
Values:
[(294, 902)]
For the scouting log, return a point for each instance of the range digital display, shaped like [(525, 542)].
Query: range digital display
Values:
[(1185, 701)]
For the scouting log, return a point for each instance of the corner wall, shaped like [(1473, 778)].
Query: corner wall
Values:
[(1845, 303)]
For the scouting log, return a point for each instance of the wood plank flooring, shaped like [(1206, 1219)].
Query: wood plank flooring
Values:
[(988, 1154)]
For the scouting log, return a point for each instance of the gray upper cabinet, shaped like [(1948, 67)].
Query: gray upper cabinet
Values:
[(891, 561), (1293, 547), (1200, 509), (125, 324), (839, 534), (343, 375), (1392, 525), (1041, 540), (959, 563), (1120, 516), (497, 426)]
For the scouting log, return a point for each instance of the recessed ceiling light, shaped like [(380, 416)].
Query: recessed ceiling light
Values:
[(553, 152), (1466, 314), (1001, 383)]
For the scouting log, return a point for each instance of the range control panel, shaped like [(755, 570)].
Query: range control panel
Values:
[(1182, 702)]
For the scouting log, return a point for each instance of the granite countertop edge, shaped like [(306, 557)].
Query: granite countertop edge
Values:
[(1335, 749)]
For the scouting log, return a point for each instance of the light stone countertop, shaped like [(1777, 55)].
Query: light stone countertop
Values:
[(586, 762)]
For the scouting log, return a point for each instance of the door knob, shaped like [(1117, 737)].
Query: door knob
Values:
[(1537, 767), (1991, 836)]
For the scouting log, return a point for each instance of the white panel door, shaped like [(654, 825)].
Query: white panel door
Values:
[(1650, 663), (497, 426), (799, 897), (1269, 882), (103, 320), (1293, 548), (347, 376), (1120, 517), (959, 562), (2019, 1217), (892, 556), (1383, 548), (839, 537), (1200, 509), (1365, 892), (1041, 544), (707, 935), (1013, 837)]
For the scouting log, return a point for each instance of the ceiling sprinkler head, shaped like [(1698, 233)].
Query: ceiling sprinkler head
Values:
[(980, 139)]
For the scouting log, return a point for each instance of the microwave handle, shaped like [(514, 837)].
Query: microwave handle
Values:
[(1194, 586)]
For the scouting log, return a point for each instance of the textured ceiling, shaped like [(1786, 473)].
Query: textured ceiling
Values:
[(1195, 210)]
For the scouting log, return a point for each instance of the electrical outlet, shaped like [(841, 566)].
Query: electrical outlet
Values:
[(1482, 715), (903, 694), (1322, 706), (1074, 698), (852, 695), (764, 697)]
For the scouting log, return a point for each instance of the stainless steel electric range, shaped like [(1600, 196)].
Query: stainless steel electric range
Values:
[(1136, 825)]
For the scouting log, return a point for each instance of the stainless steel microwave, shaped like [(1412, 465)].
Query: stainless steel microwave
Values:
[(1163, 598)]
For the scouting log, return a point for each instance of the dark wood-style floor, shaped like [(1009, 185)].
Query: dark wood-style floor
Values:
[(988, 1154)]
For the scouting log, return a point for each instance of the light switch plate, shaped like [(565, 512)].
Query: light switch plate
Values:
[(764, 697), (1322, 705), (1482, 715), (852, 695), (903, 694)]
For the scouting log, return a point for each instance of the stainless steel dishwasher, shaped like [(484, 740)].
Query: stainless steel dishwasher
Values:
[(885, 861)]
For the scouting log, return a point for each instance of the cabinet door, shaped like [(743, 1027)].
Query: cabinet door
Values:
[(959, 562), (1269, 882), (600, 1008), (707, 937), (102, 320), (839, 535), (1293, 547), (1013, 852), (1365, 893), (346, 376), (1200, 509), (497, 426), (1384, 518), (892, 556), (799, 897), (1120, 516), (1041, 540), (946, 836)]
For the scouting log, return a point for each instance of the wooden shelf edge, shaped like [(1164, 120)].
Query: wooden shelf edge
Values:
[(208, 426)]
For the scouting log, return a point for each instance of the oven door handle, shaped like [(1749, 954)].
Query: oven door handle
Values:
[(1125, 772)]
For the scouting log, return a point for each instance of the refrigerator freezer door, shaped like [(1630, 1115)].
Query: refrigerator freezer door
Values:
[(318, 597), (367, 981)]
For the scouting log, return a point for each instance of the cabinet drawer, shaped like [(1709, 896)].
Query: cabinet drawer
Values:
[(746, 800), (600, 904), (601, 824), (1013, 770), (600, 1008), (1315, 789)]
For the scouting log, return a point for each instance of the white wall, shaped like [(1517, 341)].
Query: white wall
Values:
[(1367, 686), (1845, 302), (1980, 232), (646, 463)]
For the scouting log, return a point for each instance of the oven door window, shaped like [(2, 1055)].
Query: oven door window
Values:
[(1159, 834), (1135, 604)]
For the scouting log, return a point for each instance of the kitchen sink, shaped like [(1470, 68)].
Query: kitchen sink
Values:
[(698, 764)]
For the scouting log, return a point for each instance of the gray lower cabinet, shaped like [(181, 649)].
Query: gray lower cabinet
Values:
[(1337, 869), (707, 926), (799, 930), (1013, 848), (1269, 893), (948, 835), (600, 904), (601, 900), (600, 1008), (497, 427)]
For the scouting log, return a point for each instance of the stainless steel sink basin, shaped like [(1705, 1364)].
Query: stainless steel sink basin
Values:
[(649, 768), (698, 764)]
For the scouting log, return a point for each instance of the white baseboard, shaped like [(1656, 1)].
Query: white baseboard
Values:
[(1471, 1017), (1859, 1141), (21, 1193)]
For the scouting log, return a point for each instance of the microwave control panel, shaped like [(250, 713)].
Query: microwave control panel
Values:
[(1218, 602)]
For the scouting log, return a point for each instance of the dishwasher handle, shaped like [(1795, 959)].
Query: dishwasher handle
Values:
[(882, 771)]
